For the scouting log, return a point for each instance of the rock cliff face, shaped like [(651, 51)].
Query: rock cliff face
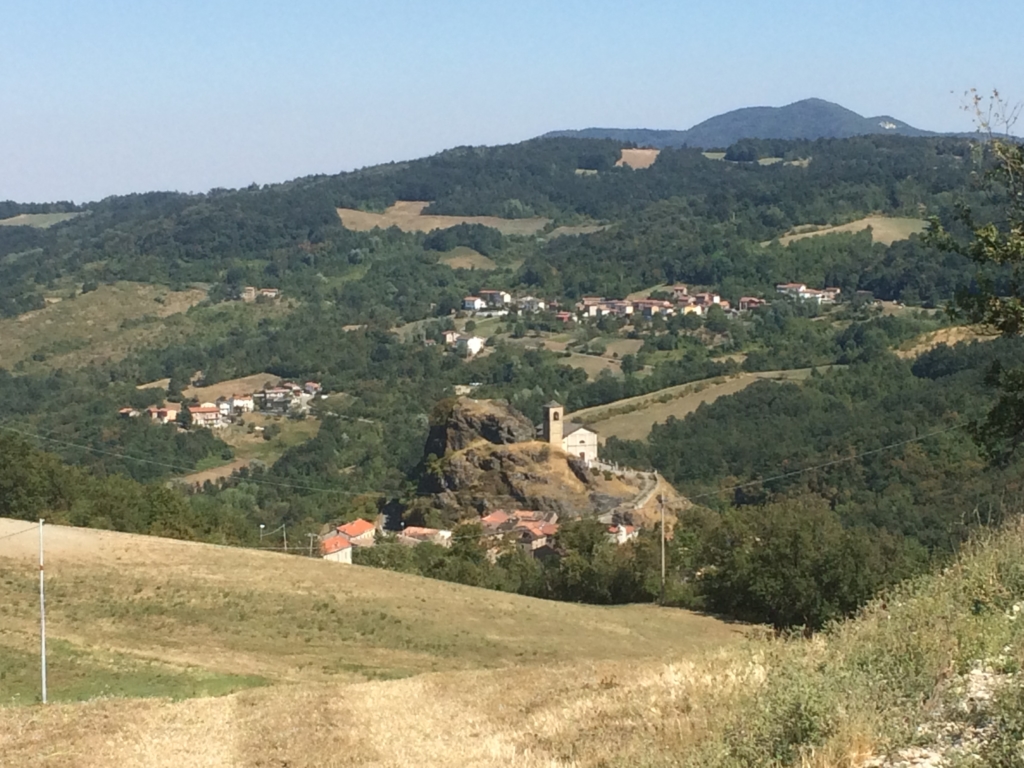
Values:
[(470, 421), (483, 455)]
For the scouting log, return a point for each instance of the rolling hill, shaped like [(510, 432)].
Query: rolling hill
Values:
[(486, 680), (806, 119)]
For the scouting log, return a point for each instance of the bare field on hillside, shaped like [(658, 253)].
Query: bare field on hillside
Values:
[(222, 472), (638, 158), (408, 216), (289, 618), (884, 229), (622, 347), (579, 229), (466, 258), (38, 220), (251, 446), (592, 364), (244, 385), (632, 418), (105, 324), (948, 336)]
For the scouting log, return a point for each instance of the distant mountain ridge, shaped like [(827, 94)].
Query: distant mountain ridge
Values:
[(806, 119)]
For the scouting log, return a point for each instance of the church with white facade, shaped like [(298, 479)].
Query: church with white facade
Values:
[(575, 439)]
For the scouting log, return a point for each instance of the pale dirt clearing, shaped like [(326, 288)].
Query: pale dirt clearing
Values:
[(466, 258), (244, 385), (38, 220), (408, 216), (884, 229), (948, 336), (213, 475), (638, 158), (580, 229)]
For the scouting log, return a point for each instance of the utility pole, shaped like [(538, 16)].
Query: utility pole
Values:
[(284, 532), (42, 614), (311, 537), (661, 506)]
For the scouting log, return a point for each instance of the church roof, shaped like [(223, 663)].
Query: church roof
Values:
[(573, 427)]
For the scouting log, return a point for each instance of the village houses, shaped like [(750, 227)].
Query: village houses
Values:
[(802, 292)]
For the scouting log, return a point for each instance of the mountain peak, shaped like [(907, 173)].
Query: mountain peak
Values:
[(811, 118)]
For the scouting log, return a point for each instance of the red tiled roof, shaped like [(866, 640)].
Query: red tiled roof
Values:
[(334, 544), (201, 409), (356, 528), (417, 532), (498, 517)]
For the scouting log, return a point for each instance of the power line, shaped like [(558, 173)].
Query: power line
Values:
[(829, 463), (17, 533)]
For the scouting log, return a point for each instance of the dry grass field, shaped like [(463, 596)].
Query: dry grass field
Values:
[(503, 681), (579, 229), (466, 258), (408, 216), (632, 418), (638, 158), (40, 220), (948, 336), (592, 364), (884, 229), (244, 385), (132, 616), (105, 324)]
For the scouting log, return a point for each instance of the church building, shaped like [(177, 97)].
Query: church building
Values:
[(575, 439)]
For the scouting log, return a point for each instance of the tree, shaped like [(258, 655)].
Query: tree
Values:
[(185, 417), (997, 248), (629, 365)]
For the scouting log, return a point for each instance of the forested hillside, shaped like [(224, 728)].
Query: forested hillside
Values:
[(873, 460)]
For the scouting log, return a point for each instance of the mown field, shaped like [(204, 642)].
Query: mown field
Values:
[(884, 229), (40, 220), (408, 216), (581, 687)]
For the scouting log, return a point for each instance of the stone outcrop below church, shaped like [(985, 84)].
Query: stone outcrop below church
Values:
[(483, 455)]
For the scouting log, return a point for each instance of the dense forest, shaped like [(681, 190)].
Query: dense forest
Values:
[(870, 464)]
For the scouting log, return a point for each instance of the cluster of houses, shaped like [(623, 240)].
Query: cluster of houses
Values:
[(531, 531), (251, 293), (802, 292), (221, 413), (682, 302)]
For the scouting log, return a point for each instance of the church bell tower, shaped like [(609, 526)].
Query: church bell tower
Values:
[(553, 414)]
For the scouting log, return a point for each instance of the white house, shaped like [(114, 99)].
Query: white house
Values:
[(473, 303), (471, 345), (495, 298), (532, 304), (620, 534), (337, 549), (206, 415), (242, 403)]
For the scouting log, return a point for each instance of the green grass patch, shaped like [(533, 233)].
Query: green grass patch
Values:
[(77, 675)]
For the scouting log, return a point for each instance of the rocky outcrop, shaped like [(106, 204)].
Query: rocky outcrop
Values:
[(469, 421)]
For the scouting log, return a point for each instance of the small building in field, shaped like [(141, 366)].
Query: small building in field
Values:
[(750, 303), (532, 304), (473, 303), (337, 549)]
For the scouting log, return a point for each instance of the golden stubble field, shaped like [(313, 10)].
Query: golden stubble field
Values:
[(408, 216), (331, 650), (884, 229)]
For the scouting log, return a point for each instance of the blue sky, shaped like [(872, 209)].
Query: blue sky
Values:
[(106, 97)]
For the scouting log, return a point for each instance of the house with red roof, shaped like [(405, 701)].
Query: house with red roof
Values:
[(337, 549), (360, 532)]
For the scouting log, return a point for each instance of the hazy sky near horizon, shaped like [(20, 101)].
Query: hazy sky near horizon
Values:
[(108, 97)]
